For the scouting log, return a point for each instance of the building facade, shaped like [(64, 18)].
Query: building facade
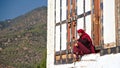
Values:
[(65, 17)]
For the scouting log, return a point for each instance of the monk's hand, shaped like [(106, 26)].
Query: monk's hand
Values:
[(76, 44)]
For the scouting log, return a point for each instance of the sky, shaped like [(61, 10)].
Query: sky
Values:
[(12, 8)]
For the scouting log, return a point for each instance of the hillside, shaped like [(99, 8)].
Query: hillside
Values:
[(23, 39)]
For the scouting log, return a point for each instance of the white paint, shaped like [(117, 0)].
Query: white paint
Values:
[(109, 20), (79, 11), (50, 34), (57, 41), (63, 41), (87, 5), (79, 7), (57, 11), (88, 25), (64, 9), (79, 24)]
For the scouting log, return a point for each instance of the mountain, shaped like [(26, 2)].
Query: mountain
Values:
[(23, 40)]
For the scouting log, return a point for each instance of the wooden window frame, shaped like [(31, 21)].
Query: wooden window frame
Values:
[(95, 17)]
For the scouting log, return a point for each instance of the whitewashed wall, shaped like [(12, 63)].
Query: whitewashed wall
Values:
[(109, 20), (50, 34)]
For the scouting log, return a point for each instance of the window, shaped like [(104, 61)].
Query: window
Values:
[(63, 47), (88, 16)]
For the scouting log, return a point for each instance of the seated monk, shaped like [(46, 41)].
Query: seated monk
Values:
[(84, 45)]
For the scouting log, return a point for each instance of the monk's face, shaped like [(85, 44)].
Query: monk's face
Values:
[(79, 34)]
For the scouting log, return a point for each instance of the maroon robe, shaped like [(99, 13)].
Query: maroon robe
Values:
[(85, 45)]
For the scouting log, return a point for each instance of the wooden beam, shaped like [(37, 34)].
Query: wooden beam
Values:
[(77, 17), (96, 24)]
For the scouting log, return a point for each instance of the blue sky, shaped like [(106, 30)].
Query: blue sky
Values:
[(12, 8)]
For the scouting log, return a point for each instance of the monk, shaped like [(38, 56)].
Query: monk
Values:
[(84, 45)]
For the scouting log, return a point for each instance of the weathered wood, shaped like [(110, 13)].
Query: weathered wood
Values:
[(68, 28), (96, 22)]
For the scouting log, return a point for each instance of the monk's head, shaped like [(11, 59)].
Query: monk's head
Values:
[(80, 32)]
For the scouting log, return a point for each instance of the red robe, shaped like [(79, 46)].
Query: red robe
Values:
[(85, 45)]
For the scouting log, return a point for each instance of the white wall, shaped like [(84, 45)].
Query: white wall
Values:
[(50, 34), (109, 20)]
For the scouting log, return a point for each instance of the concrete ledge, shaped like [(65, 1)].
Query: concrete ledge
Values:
[(95, 61)]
